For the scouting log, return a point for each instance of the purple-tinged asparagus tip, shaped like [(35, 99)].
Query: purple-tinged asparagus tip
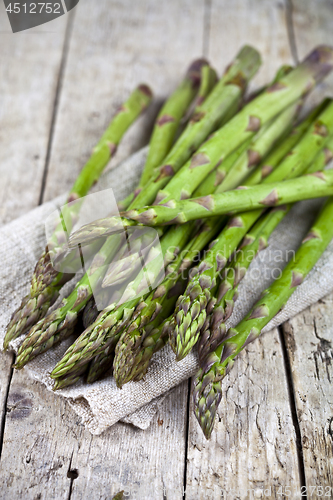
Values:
[(321, 61), (146, 90), (194, 71)]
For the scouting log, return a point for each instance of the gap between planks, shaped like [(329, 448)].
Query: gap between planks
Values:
[(206, 27), (291, 30), (65, 51), (292, 403)]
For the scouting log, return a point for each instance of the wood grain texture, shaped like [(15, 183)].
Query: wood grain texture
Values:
[(146, 464), (46, 446), (113, 48), (110, 51), (253, 445), (250, 22), (309, 339), (36, 423)]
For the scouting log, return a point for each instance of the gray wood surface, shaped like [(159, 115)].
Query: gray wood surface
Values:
[(58, 91)]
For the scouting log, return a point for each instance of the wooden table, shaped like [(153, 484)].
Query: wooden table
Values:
[(58, 90)]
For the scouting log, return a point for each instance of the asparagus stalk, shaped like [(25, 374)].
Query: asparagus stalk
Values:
[(216, 106), (246, 123), (102, 334), (208, 81), (108, 226), (278, 154), (222, 305), (145, 341), (171, 243), (175, 189), (46, 281), (279, 128), (214, 329), (207, 384), (60, 323), (237, 200), (213, 100), (124, 359), (218, 175), (169, 117), (199, 286), (253, 242), (150, 342)]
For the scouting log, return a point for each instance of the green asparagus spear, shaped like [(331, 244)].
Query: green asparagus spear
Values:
[(298, 152), (134, 357), (61, 383), (108, 326), (207, 384), (279, 128), (208, 81), (237, 200), (125, 349)]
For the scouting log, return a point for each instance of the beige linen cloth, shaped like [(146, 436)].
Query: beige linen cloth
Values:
[(102, 404)]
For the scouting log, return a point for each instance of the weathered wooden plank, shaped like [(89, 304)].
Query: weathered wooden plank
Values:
[(146, 464), (29, 65), (260, 24), (252, 451), (309, 339), (51, 447), (113, 47)]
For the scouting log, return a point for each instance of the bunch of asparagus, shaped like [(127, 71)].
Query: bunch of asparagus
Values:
[(222, 172)]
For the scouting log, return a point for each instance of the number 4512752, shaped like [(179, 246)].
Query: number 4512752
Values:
[(34, 8)]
